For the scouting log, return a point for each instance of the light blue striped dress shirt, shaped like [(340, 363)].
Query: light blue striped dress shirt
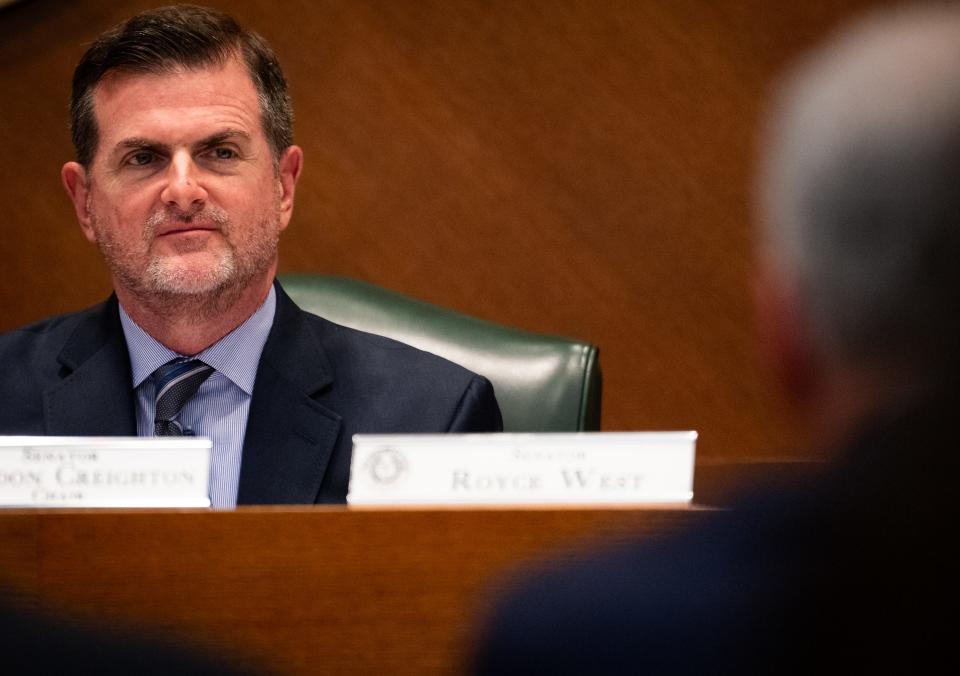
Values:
[(220, 407)]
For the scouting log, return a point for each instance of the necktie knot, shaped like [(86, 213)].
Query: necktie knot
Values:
[(176, 382)]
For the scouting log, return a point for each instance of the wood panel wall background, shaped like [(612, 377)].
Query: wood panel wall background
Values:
[(574, 167)]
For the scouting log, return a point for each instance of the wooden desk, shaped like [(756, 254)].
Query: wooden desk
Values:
[(311, 590)]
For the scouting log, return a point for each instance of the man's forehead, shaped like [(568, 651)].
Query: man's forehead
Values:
[(146, 104), (167, 80)]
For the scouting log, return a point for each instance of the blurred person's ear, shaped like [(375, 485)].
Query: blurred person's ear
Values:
[(784, 340)]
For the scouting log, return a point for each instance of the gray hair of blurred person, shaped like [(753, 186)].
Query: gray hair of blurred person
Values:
[(859, 192), (166, 39)]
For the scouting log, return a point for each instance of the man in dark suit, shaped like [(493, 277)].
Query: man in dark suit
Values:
[(184, 179), (853, 571)]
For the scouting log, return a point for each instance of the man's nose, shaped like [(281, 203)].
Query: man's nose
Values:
[(183, 187)]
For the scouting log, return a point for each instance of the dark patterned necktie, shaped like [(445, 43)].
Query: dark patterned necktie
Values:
[(176, 382)]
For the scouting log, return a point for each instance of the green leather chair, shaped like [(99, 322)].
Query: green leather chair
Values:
[(543, 383)]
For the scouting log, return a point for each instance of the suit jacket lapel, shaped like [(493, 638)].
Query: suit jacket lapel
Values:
[(290, 437), (95, 396)]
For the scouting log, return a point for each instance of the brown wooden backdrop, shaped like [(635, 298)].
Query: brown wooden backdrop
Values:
[(573, 167)]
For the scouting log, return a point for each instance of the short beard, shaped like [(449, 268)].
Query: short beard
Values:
[(165, 277), (166, 285)]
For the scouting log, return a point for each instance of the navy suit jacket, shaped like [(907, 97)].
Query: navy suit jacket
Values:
[(318, 384), (853, 571)]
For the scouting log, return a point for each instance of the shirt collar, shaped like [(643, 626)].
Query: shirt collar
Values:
[(236, 355)]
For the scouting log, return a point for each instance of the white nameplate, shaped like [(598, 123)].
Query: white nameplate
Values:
[(548, 468), (104, 472)]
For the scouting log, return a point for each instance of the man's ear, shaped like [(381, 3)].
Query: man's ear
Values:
[(77, 184), (290, 166), (784, 337)]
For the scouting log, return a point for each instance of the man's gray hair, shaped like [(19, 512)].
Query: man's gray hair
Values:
[(860, 189)]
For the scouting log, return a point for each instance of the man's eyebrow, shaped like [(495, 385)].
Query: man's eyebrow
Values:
[(138, 142), (222, 137), (143, 143)]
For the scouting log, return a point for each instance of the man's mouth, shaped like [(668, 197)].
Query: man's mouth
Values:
[(183, 228), (163, 223)]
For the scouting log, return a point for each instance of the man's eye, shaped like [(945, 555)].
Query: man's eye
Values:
[(224, 153), (141, 159)]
